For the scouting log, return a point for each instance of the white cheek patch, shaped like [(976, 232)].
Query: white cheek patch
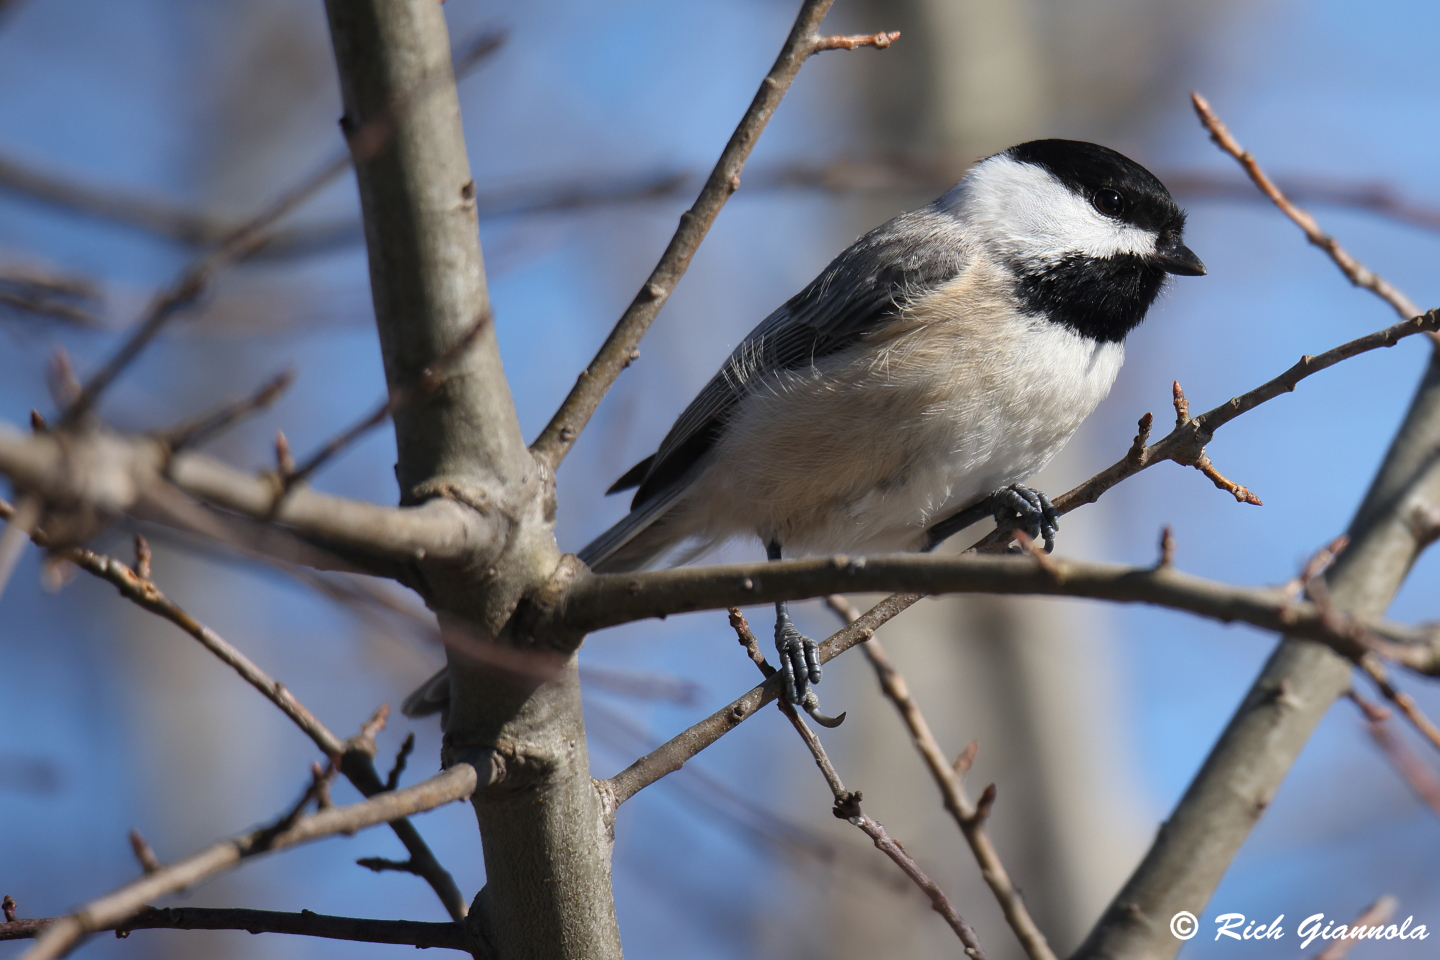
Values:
[(1025, 212)]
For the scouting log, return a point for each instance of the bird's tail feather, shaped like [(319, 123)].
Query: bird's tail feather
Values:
[(638, 539)]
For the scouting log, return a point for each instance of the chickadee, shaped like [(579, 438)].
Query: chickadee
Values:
[(906, 392)]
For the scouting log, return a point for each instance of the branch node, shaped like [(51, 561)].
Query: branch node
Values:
[(847, 806), (8, 906), (144, 853), (37, 422), (1167, 548), (962, 763), (1136, 454), (142, 558), (284, 459), (879, 41), (364, 741), (393, 780), (983, 806), (1182, 406)]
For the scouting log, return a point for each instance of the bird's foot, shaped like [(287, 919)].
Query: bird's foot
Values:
[(799, 661), (1017, 507)]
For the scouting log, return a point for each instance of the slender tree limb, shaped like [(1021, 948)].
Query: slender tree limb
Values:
[(55, 308), (1417, 774), (355, 756), (950, 782), (619, 348), (145, 594), (1299, 683), (450, 936), (603, 600), (1186, 443), (114, 908), (847, 807), (1355, 271), (241, 243), (108, 474), (671, 755), (842, 175), (430, 378), (195, 432)]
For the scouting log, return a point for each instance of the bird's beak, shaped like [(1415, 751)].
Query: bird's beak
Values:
[(1172, 256)]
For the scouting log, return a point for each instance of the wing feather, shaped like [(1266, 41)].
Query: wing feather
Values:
[(861, 290)]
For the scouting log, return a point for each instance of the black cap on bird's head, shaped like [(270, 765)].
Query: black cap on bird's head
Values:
[(1118, 188)]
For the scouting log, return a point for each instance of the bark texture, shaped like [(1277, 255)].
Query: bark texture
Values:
[(547, 849)]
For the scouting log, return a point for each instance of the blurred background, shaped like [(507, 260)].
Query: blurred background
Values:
[(589, 130)]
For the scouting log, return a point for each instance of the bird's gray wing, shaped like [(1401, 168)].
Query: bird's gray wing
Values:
[(861, 290)]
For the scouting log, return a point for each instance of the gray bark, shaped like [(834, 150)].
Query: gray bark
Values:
[(547, 850)]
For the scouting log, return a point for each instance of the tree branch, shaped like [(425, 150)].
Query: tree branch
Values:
[(1298, 684), (619, 348), (355, 756), (671, 755), (114, 908), (414, 933), (1354, 270), (603, 600), (950, 782), (109, 474), (1186, 443), (847, 807)]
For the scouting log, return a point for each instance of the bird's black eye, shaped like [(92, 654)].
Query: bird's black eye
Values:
[(1109, 202)]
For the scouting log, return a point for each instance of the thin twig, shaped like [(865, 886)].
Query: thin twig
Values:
[(246, 239), (195, 432), (144, 853), (616, 353), (355, 756), (413, 933), (430, 378), (1354, 270), (144, 593), (52, 307), (672, 754), (1418, 775), (847, 807), (1186, 443), (114, 908), (393, 780), (159, 216), (949, 779)]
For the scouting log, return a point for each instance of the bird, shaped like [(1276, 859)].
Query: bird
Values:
[(907, 391)]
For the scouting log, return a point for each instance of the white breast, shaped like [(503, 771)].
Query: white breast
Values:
[(865, 450)]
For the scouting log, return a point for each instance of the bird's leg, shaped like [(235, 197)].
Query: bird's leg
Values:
[(1017, 507), (799, 655)]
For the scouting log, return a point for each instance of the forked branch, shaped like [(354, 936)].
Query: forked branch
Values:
[(106, 912)]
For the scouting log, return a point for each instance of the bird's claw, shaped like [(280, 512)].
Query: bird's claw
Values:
[(1017, 507), (799, 661), (811, 703)]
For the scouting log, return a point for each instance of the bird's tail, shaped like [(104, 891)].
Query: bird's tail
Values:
[(640, 537)]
